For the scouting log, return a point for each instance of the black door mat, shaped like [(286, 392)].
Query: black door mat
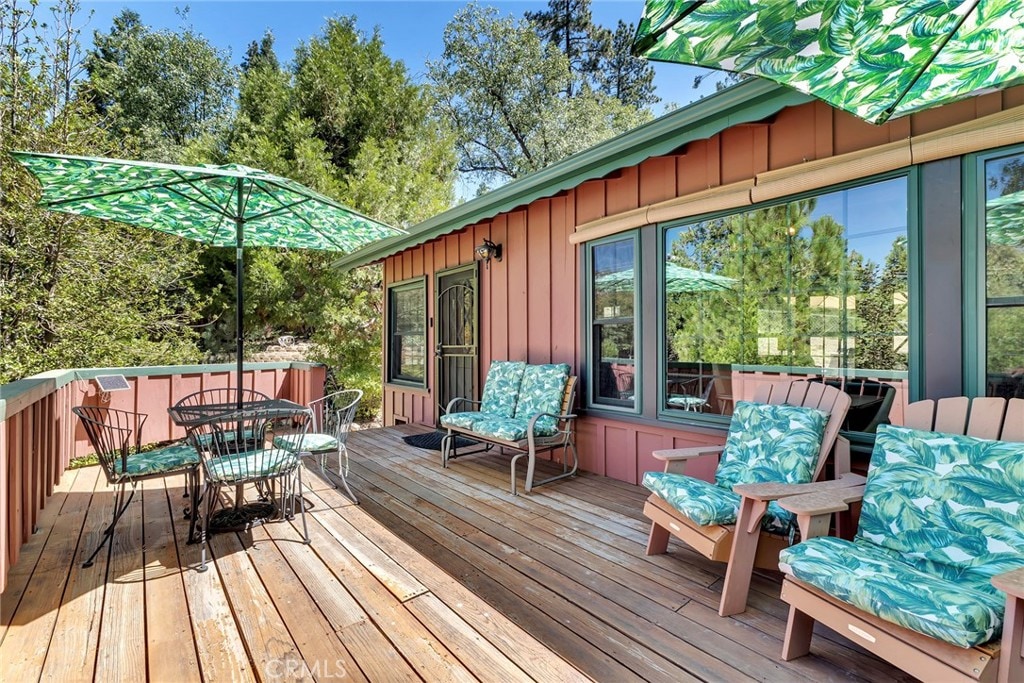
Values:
[(432, 441)]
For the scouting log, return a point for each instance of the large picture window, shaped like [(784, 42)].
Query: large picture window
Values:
[(1004, 276), (815, 287), (407, 333), (613, 287)]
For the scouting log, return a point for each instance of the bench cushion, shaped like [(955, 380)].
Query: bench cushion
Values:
[(952, 504), (461, 420), (502, 388), (771, 444), (542, 391), (964, 612), (705, 503)]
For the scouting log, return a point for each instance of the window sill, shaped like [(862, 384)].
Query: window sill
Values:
[(418, 389), (688, 426)]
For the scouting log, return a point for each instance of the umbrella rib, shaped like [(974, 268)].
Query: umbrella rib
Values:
[(280, 209), (288, 208), (211, 200), (210, 207), (903, 93), (98, 195)]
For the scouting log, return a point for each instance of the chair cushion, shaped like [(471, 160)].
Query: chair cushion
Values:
[(541, 392), (965, 611), (502, 388), (771, 443), (311, 443), (950, 504), (705, 503), (165, 459), (263, 463), (463, 420)]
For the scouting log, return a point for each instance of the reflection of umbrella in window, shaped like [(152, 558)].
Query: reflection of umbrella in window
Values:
[(678, 280), (1004, 220)]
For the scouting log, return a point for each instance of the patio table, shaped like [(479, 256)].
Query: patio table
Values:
[(243, 516)]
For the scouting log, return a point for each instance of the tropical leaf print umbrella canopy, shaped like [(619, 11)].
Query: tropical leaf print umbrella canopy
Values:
[(224, 206), (876, 59)]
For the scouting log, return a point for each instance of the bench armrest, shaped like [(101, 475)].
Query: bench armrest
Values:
[(452, 403), (1011, 583), (560, 418), (775, 491)]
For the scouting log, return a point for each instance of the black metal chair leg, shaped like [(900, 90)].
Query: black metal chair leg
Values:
[(108, 533)]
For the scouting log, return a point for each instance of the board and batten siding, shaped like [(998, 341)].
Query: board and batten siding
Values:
[(530, 301)]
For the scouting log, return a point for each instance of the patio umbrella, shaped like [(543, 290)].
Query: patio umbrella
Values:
[(876, 59), (226, 206), (678, 279)]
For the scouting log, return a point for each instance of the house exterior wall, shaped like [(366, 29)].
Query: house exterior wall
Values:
[(530, 301)]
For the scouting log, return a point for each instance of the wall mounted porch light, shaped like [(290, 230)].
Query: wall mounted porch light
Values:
[(487, 251)]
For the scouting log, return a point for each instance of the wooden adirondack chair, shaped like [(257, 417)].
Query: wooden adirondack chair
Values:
[(924, 656), (744, 545)]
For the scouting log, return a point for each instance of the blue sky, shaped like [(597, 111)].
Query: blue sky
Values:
[(412, 30)]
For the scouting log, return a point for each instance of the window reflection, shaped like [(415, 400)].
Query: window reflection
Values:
[(613, 283), (407, 340), (815, 288), (1004, 275)]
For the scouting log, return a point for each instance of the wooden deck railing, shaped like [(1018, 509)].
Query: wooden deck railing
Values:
[(38, 435)]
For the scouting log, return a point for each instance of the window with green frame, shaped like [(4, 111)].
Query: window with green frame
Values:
[(407, 332), (814, 287), (1003, 280), (612, 320)]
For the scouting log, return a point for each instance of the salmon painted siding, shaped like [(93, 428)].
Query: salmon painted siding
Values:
[(530, 301)]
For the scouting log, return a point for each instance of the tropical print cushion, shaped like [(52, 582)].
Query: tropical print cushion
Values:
[(966, 611), (166, 459), (541, 392), (771, 443), (508, 428), (462, 420), (953, 505), (706, 503), (262, 463), (310, 443), (502, 387)]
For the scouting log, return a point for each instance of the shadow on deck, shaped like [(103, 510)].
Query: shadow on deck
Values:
[(553, 586)]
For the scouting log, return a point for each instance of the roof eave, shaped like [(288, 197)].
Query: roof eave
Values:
[(745, 102)]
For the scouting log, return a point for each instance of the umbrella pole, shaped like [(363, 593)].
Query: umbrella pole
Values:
[(239, 312)]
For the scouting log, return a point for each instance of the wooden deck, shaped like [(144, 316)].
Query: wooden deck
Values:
[(436, 575)]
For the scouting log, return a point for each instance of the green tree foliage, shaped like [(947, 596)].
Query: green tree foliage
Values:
[(599, 59), (159, 90), (502, 90), (346, 120), (74, 291)]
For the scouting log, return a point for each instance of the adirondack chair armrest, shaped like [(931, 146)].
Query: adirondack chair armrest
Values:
[(814, 510), (676, 454), (776, 491), (455, 401), (1011, 583), (675, 459)]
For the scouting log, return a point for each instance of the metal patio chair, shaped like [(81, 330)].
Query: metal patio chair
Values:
[(116, 437), (234, 452), (333, 416)]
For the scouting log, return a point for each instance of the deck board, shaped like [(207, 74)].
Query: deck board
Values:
[(438, 574)]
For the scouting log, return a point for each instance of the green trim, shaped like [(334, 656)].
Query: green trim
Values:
[(48, 382), (419, 282), (915, 291), (588, 321), (745, 102), (974, 266)]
